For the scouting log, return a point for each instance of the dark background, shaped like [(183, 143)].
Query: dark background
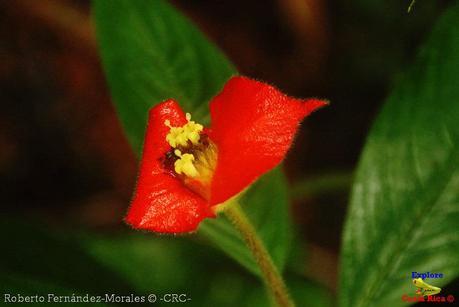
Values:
[(63, 156)]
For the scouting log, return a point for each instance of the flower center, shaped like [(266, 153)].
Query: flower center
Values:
[(193, 156)]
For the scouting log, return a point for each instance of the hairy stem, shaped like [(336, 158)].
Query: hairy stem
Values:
[(271, 276)]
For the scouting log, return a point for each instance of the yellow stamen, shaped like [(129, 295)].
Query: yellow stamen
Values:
[(195, 156), (181, 136), (184, 165)]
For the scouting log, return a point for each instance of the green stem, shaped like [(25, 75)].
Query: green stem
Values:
[(322, 184), (271, 277)]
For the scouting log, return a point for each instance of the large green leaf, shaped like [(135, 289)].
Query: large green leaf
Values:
[(150, 53), (404, 213)]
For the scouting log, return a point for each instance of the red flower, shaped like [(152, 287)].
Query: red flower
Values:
[(186, 169)]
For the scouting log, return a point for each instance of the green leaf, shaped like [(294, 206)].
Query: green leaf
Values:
[(404, 209), (267, 208), (151, 53)]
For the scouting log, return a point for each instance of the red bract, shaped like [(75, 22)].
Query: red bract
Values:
[(252, 128)]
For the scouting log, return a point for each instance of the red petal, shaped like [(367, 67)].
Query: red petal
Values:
[(161, 203), (253, 125)]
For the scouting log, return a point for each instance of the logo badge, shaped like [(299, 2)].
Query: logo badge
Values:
[(426, 292), (424, 288)]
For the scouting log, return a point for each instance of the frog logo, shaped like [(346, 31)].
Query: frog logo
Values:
[(424, 289)]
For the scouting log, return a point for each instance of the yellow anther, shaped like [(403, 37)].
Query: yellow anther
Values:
[(180, 136), (184, 165)]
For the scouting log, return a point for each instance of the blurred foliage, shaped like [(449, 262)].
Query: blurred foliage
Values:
[(38, 261), (404, 207), (80, 262)]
